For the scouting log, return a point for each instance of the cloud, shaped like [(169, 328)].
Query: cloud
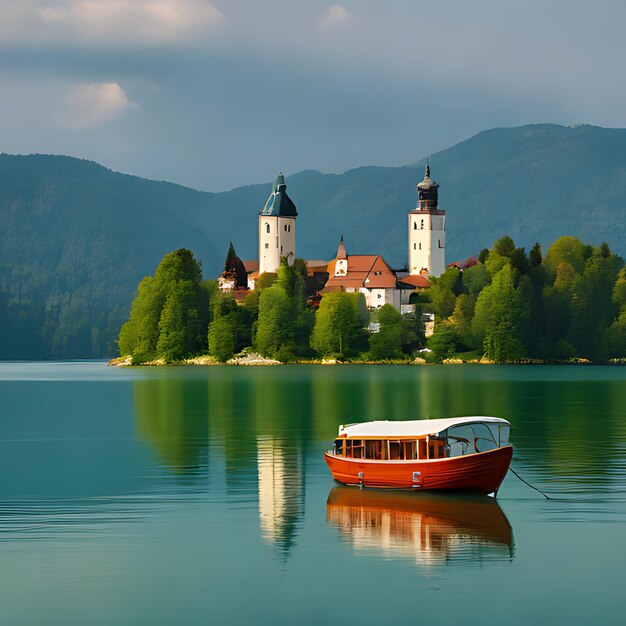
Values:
[(337, 14), (134, 22), (89, 105)]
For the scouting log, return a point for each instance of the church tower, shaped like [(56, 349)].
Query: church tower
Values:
[(427, 231), (277, 228)]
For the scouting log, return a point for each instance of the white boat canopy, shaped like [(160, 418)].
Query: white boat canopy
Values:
[(413, 428)]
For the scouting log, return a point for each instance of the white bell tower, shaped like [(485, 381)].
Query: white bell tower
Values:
[(427, 231), (277, 228)]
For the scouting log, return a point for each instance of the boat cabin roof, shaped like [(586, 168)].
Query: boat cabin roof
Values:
[(412, 428)]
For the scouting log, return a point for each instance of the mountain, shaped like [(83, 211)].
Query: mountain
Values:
[(75, 237)]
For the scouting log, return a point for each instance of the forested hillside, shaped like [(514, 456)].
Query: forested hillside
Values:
[(76, 238)]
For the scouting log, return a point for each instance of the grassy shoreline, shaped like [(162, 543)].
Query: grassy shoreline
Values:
[(257, 360)]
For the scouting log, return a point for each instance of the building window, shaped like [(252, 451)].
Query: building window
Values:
[(420, 246), (414, 225), (422, 226), (440, 244), (414, 246), (267, 245), (267, 228)]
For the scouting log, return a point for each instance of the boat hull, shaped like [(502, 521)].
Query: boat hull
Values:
[(482, 472)]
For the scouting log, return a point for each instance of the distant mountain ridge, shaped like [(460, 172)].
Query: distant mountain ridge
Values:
[(75, 237)]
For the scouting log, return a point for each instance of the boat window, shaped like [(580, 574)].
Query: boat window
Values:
[(410, 450), (355, 448), (483, 438), (395, 450), (504, 430), (422, 449), (338, 447), (373, 449), (437, 447), (472, 438)]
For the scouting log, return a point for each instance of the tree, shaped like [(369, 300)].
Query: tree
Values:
[(275, 327), (139, 336), (264, 281), (535, 257), (387, 342), (179, 325), (443, 291), (222, 337), (443, 342), (462, 318), (569, 250), (176, 266), (619, 290), (501, 318), (169, 315), (592, 306), (504, 246), (338, 324), (482, 256), (476, 278)]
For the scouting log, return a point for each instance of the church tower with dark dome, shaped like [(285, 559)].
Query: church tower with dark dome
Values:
[(277, 228), (427, 230)]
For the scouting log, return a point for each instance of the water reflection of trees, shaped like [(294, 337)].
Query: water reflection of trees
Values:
[(170, 414), (430, 529), (566, 422)]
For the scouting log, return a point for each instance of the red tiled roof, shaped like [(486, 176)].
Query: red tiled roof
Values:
[(251, 265), (364, 270), (418, 281), (465, 264)]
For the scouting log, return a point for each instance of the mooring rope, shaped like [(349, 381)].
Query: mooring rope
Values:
[(547, 497)]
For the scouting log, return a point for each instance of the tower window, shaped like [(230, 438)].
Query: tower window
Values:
[(420, 246), (414, 225), (415, 246), (285, 227), (267, 245), (422, 226), (267, 228), (440, 244)]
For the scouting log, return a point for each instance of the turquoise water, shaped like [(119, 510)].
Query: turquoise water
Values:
[(200, 496)]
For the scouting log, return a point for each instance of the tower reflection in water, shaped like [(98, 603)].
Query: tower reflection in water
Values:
[(432, 530), (281, 491)]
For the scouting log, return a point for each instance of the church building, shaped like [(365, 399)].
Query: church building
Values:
[(368, 274)]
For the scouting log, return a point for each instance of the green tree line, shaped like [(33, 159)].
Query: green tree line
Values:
[(513, 305), (509, 307), (177, 315)]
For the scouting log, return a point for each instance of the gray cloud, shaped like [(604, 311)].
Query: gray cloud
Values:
[(221, 93)]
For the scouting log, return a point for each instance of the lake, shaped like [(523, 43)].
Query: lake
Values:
[(199, 495)]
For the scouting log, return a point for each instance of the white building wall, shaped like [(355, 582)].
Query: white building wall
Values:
[(427, 243), (277, 238), (375, 298)]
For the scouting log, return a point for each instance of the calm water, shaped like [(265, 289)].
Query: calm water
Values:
[(200, 496)]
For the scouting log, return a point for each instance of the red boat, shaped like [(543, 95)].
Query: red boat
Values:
[(456, 454)]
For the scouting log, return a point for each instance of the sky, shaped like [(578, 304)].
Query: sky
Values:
[(219, 94)]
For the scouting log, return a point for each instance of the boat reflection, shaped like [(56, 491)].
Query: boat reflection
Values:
[(431, 529)]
